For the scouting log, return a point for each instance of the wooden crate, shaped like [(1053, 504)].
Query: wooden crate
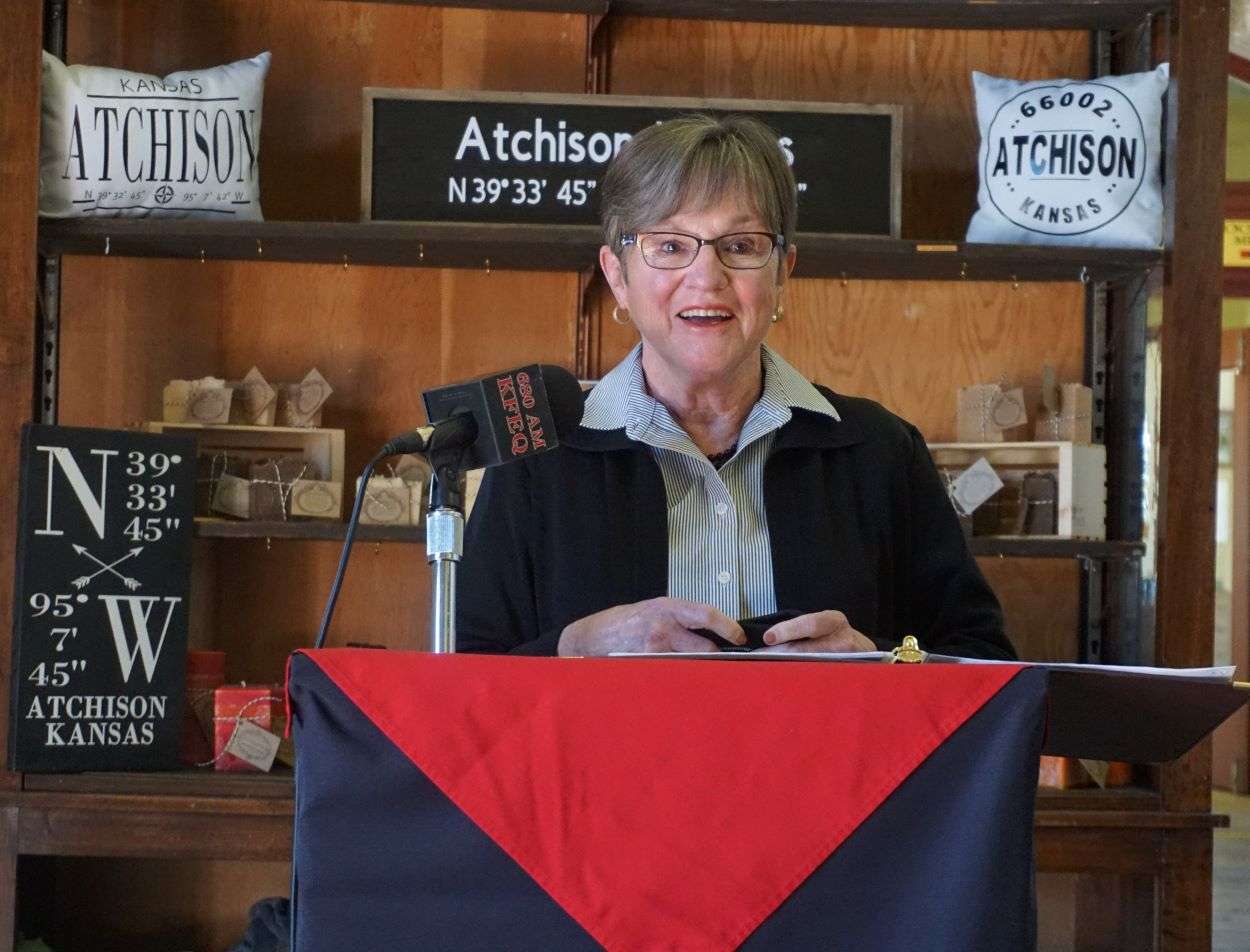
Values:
[(1080, 469), (323, 448)]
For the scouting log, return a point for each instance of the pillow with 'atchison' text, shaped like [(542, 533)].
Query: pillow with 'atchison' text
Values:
[(1070, 162), (122, 144)]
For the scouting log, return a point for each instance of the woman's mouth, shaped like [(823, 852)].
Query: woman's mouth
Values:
[(704, 316)]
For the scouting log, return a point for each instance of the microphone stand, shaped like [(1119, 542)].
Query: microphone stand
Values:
[(444, 545), (444, 540)]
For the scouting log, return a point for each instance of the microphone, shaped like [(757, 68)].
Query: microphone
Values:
[(496, 419)]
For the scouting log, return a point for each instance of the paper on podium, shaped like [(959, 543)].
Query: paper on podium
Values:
[(1141, 715)]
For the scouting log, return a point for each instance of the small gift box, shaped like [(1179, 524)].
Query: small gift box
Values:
[(255, 402), (388, 502), (205, 401), (1074, 420), (416, 473), (974, 422), (1040, 494), (272, 482), (317, 499), (242, 727), (209, 471), (1001, 514), (1066, 773), (983, 412), (299, 404)]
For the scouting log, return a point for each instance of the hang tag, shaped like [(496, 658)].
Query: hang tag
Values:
[(232, 495), (254, 745), (1007, 410), (974, 485)]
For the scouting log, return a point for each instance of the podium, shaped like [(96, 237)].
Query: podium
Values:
[(474, 802)]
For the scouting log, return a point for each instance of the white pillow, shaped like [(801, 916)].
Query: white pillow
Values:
[(1070, 162), (122, 144)]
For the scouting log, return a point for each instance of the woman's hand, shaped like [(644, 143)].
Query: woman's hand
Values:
[(658, 624), (817, 631)]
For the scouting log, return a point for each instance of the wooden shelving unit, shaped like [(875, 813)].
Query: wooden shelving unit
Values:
[(312, 529), (1159, 833), (950, 14), (562, 248)]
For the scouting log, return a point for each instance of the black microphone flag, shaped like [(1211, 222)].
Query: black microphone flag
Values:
[(518, 412)]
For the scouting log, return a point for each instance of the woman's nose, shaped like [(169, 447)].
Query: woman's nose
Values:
[(707, 270)]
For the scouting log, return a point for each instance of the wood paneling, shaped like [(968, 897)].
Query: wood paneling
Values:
[(927, 71), (323, 54), (379, 335)]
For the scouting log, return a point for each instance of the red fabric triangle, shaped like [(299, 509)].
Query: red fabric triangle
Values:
[(664, 804)]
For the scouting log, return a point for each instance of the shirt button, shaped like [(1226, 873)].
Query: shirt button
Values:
[(721, 508), (723, 578)]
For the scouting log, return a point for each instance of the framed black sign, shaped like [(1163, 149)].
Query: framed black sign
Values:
[(101, 599), (524, 158)]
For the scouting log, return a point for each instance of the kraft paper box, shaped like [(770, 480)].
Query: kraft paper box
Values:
[(255, 401), (235, 703), (1074, 422), (317, 499), (232, 496), (388, 502), (299, 404), (272, 482), (209, 471), (974, 414), (414, 471), (205, 401)]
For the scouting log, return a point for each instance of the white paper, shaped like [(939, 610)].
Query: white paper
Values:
[(253, 744), (1220, 675), (974, 485)]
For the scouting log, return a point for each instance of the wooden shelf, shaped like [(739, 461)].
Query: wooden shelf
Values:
[(312, 529), (1031, 547), (561, 248), (967, 14), (1042, 547), (189, 782), (203, 815)]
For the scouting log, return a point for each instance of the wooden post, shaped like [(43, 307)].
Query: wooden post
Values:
[(1189, 410)]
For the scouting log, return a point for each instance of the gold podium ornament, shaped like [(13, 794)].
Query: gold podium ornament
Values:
[(908, 652)]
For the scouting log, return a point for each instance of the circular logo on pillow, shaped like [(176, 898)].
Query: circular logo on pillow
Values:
[(1065, 159)]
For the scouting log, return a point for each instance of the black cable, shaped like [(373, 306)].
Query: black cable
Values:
[(347, 545)]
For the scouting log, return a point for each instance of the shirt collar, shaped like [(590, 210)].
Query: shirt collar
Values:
[(620, 400)]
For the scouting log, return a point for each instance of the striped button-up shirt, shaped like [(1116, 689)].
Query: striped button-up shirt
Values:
[(718, 547)]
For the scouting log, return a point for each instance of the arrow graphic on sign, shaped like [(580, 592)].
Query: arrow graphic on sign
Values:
[(84, 580)]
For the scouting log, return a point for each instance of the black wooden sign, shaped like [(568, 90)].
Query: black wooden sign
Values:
[(101, 599), (521, 158)]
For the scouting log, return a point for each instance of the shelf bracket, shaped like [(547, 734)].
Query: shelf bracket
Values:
[(1092, 615), (54, 27), (48, 340)]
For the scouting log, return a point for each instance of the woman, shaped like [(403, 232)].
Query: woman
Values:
[(709, 481)]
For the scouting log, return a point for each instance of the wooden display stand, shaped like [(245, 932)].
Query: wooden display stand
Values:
[(906, 321)]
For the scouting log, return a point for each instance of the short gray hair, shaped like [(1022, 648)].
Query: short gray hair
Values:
[(696, 159)]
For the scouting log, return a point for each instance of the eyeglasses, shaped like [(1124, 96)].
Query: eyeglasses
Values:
[(671, 250)]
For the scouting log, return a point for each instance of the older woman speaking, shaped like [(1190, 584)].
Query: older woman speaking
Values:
[(709, 481)]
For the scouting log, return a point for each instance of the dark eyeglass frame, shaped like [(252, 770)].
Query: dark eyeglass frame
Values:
[(634, 238)]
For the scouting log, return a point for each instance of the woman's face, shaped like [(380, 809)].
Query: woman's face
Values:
[(702, 324)]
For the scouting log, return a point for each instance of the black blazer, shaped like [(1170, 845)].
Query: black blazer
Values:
[(858, 521)]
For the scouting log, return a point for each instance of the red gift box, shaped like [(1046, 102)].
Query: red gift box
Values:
[(233, 703)]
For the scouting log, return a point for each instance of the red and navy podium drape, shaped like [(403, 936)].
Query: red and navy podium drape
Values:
[(492, 803)]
